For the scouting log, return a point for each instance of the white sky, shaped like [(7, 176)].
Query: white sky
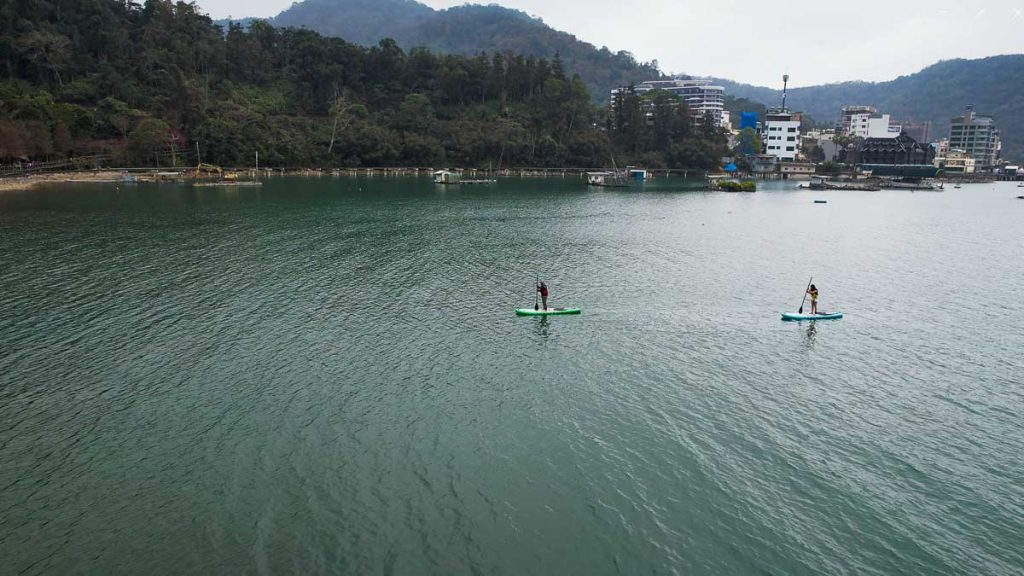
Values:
[(815, 41)]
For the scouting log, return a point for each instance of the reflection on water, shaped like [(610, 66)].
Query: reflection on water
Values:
[(811, 333), (543, 326)]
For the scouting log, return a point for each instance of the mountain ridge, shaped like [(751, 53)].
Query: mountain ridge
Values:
[(933, 94), (467, 30)]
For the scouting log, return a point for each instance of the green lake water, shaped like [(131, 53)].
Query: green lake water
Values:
[(326, 376)]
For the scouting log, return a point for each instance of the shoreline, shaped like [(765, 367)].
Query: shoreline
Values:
[(26, 183)]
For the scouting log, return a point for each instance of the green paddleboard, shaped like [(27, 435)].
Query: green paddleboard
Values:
[(547, 312)]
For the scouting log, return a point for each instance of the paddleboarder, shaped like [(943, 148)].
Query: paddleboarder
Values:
[(543, 289), (813, 291)]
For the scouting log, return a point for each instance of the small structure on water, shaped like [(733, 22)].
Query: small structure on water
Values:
[(636, 173), (447, 177), (606, 180), (819, 182)]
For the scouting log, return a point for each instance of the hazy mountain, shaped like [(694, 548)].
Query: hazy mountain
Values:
[(937, 93), (467, 30), (360, 21)]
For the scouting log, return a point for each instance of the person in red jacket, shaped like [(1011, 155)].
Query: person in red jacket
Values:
[(543, 289)]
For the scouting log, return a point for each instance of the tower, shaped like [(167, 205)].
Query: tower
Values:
[(785, 83)]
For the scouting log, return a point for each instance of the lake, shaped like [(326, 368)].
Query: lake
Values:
[(326, 376)]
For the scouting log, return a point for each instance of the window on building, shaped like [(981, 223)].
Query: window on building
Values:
[(791, 139), (792, 129), (789, 148)]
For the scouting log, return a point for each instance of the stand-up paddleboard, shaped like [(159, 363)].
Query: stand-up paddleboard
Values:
[(546, 312), (791, 316)]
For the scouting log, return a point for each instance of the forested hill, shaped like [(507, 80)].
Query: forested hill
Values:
[(145, 85), (468, 30), (937, 93)]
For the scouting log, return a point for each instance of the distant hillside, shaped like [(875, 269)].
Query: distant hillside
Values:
[(467, 30), (360, 21), (934, 94), (937, 93)]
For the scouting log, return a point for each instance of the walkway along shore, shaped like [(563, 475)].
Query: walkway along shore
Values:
[(30, 180)]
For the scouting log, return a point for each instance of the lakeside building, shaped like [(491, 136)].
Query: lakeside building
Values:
[(796, 170), (846, 119), (780, 134), (920, 131), (823, 139), (877, 127), (865, 122), (764, 166), (900, 150), (978, 136), (701, 96), (958, 161)]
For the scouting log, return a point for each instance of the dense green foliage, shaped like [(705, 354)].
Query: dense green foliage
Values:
[(467, 30), (935, 94), (657, 129), (734, 186), (146, 83)]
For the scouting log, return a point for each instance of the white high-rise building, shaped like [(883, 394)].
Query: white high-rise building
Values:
[(780, 134), (850, 113), (701, 96), (864, 122), (867, 126)]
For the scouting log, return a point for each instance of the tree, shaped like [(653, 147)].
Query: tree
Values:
[(47, 52), (147, 139), (748, 143)]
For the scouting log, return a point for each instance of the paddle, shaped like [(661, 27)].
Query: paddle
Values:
[(536, 293), (801, 310)]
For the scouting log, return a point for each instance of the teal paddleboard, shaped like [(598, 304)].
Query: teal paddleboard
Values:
[(793, 316), (547, 312)]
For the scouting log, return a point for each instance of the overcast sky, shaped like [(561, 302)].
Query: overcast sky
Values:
[(814, 41)]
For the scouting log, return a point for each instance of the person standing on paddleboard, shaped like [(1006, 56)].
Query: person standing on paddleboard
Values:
[(543, 289), (813, 291)]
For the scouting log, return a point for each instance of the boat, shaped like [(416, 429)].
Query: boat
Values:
[(821, 201), (914, 184), (796, 317), (636, 173), (1020, 197), (826, 183), (605, 180), (957, 186), (447, 177), (613, 179), (546, 312)]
